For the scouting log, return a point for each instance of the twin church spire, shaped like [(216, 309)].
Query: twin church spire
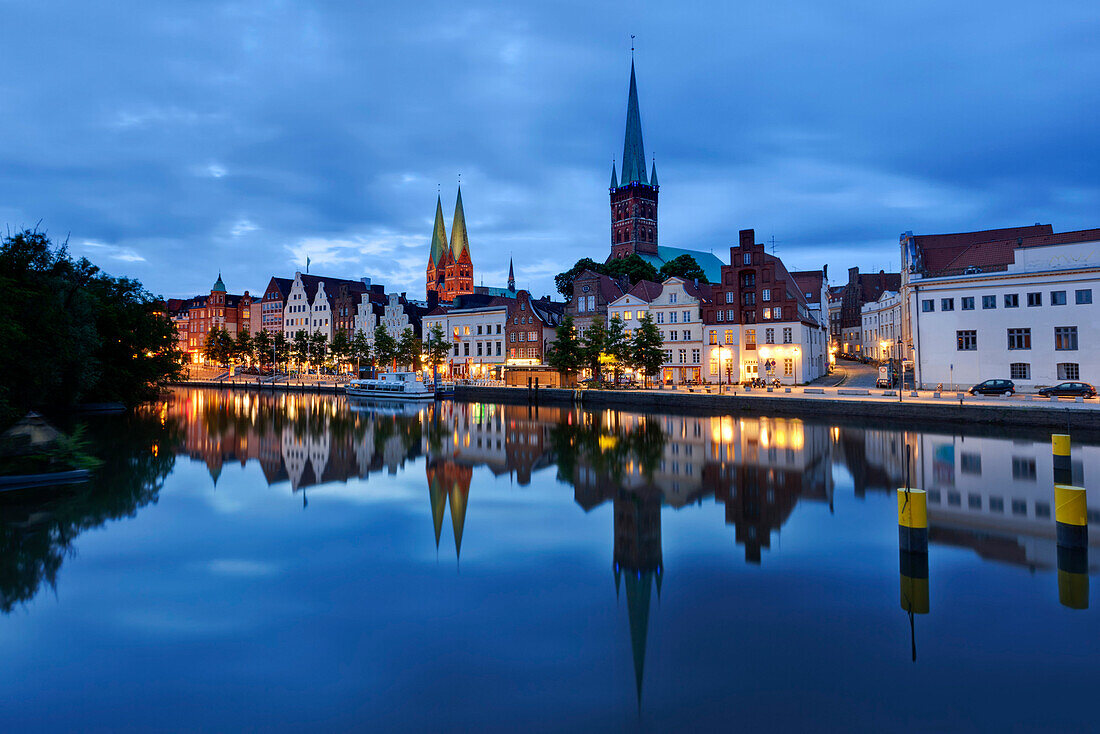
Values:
[(450, 269)]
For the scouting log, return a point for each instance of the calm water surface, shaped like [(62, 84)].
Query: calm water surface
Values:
[(299, 563)]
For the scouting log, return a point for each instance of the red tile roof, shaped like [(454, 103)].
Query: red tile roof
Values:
[(810, 282), (646, 290), (938, 250), (995, 255)]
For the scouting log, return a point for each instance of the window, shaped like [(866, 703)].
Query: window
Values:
[(672, 298), (767, 313), (947, 304), (1019, 371), (971, 464), (788, 366), (532, 336), (1019, 507), (750, 338), (1065, 338), (966, 340), (479, 349), (672, 336), (974, 501), (681, 356), (466, 330), (729, 296), (695, 356), (766, 295), (777, 314), (660, 317), (769, 336), (996, 504), (1019, 338), (1023, 468), (466, 349), (714, 337), (1034, 299), (729, 336), (1057, 298), (747, 259), (1042, 509), (1012, 300), (1069, 371), (672, 317), (1083, 296), (927, 305), (749, 299), (787, 336), (989, 302), (479, 329), (686, 316)]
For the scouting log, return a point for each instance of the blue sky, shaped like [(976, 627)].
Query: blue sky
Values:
[(171, 140)]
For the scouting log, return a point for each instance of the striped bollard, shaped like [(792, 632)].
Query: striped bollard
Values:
[(1063, 470), (1073, 577), (913, 520), (914, 582)]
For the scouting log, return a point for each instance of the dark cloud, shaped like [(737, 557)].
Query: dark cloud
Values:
[(176, 139)]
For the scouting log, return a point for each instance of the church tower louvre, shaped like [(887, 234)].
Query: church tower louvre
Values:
[(633, 195)]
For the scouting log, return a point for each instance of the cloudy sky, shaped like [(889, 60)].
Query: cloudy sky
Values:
[(171, 140)]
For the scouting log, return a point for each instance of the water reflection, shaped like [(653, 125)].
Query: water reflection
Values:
[(988, 494)]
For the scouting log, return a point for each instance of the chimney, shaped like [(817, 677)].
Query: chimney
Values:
[(853, 275), (747, 237)]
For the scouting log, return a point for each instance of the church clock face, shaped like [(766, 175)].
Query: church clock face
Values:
[(584, 289)]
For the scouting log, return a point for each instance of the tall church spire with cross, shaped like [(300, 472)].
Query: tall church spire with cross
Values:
[(634, 195)]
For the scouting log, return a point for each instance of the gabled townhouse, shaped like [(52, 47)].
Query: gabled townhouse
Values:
[(633, 305), (592, 292), (759, 322), (530, 327), (273, 303), (881, 329), (310, 303), (678, 312)]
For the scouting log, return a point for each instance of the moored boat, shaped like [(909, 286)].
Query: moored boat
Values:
[(392, 386)]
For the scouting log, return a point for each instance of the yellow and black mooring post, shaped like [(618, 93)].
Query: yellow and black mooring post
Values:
[(913, 520), (1063, 470), (1071, 521)]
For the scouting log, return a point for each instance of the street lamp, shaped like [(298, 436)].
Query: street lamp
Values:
[(723, 353), (901, 372)]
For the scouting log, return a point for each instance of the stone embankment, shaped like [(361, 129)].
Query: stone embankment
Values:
[(825, 403)]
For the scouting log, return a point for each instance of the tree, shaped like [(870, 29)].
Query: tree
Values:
[(385, 347), (218, 347), (564, 281), (242, 347), (409, 349), (565, 354), (648, 349), (592, 347), (318, 348), (300, 347), (633, 267), (340, 347), (261, 345), (438, 347), (282, 348), (684, 266), (359, 349), (618, 346)]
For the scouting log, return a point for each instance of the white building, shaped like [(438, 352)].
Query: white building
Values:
[(678, 312), (881, 327), (309, 304), (478, 337), (1019, 306)]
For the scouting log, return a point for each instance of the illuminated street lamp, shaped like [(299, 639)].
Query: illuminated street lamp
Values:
[(723, 352)]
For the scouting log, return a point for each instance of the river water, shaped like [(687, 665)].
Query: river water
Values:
[(302, 563)]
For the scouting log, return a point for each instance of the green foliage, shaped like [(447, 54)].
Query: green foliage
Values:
[(618, 346), (648, 347), (242, 349), (633, 267), (410, 350), (359, 349), (340, 347), (593, 345), (70, 333), (566, 353), (282, 348), (299, 346), (262, 346), (219, 347), (684, 266), (438, 346), (564, 281), (385, 347), (318, 348)]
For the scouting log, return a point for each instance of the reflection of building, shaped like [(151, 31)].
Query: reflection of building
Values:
[(449, 483)]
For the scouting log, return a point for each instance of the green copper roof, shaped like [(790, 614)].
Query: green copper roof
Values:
[(614, 176), (457, 499), (459, 241), (653, 176), (219, 286), (439, 503), (633, 150), (439, 234)]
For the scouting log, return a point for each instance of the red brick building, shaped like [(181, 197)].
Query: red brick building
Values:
[(530, 328), (219, 309)]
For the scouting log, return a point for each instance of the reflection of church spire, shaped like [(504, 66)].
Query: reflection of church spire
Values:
[(458, 497), (638, 558), (439, 505)]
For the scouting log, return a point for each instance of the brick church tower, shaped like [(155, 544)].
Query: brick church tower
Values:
[(450, 270), (633, 197)]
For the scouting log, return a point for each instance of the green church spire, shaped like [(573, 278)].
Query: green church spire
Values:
[(439, 234), (633, 150), (614, 176), (459, 241), (653, 176)]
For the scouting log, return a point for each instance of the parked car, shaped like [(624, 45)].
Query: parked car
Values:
[(994, 387), (1070, 390), (886, 382)]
